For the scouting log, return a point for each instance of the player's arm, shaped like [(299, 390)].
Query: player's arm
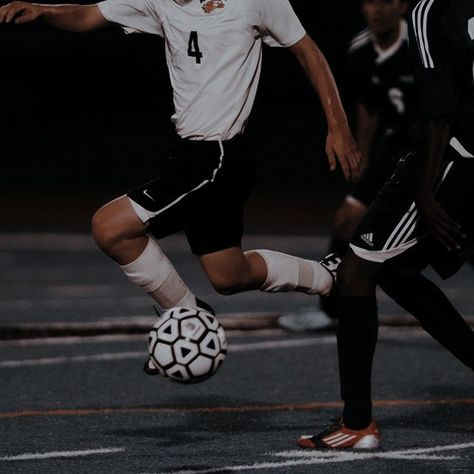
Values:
[(77, 18), (435, 61), (436, 136), (340, 143), (365, 131)]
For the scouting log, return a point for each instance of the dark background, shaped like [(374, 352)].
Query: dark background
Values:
[(86, 116)]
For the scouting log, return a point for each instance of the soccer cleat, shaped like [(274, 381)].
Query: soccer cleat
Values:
[(337, 436), (330, 263), (206, 307), (150, 369), (311, 319)]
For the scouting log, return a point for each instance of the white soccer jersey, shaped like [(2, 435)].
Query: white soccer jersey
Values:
[(213, 53)]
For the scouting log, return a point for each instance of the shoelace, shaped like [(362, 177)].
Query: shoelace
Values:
[(336, 424)]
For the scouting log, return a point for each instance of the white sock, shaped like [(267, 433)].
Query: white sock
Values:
[(288, 273), (153, 272)]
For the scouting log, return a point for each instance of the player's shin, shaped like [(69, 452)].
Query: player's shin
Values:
[(356, 339), (288, 273), (153, 272)]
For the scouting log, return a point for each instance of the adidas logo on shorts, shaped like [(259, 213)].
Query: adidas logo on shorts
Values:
[(368, 239)]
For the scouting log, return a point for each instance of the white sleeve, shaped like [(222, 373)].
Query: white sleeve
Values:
[(277, 22), (135, 16)]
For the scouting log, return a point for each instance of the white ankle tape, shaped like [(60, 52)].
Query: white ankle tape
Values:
[(288, 273), (153, 272)]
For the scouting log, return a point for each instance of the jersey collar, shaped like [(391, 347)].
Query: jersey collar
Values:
[(384, 54)]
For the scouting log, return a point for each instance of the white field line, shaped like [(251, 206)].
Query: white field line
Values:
[(114, 356), (61, 454), (82, 302), (307, 458), (119, 338)]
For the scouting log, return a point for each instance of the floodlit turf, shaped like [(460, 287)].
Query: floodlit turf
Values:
[(83, 405)]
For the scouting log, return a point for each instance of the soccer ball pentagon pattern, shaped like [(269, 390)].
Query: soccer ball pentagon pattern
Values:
[(187, 345)]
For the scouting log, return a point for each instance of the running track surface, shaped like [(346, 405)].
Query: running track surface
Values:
[(82, 405)]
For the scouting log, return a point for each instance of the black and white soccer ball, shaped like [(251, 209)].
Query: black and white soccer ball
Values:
[(187, 345)]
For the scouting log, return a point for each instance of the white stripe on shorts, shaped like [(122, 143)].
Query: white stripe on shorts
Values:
[(399, 242), (380, 256), (145, 215)]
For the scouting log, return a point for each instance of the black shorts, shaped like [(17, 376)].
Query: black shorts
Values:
[(392, 225), (381, 166), (201, 190)]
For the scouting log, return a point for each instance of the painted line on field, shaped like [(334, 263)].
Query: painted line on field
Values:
[(305, 458), (61, 454), (226, 409), (126, 338), (115, 356)]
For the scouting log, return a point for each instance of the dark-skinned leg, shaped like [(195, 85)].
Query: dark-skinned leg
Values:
[(436, 314), (357, 337)]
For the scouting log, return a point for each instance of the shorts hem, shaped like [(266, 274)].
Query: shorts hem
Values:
[(381, 256)]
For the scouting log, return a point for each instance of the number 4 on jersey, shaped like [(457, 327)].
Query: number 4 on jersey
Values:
[(193, 47)]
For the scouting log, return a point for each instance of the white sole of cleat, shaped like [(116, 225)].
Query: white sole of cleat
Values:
[(367, 442)]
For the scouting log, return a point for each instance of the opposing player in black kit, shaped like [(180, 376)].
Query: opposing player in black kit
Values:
[(422, 216), (383, 92), (214, 53)]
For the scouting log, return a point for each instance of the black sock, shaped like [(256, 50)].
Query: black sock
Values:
[(438, 317), (356, 338)]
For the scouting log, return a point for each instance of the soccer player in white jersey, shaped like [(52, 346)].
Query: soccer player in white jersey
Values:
[(214, 53)]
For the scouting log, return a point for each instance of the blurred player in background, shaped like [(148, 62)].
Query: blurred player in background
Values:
[(214, 52), (422, 216), (383, 92)]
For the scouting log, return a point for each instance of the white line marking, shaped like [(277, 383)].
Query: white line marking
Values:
[(386, 334), (114, 356), (61, 454), (119, 338), (306, 458)]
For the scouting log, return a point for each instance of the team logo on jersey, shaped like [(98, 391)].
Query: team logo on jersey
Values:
[(212, 5)]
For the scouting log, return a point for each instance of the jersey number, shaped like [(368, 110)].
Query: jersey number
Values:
[(397, 99), (193, 47)]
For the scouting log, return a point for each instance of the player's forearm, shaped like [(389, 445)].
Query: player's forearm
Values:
[(320, 76), (69, 17), (66, 17), (366, 126)]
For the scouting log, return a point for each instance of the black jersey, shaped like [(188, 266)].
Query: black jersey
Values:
[(441, 36), (383, 81)]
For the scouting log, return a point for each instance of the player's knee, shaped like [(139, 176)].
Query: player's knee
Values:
[(344, 274), (356, 276), (104, 232)]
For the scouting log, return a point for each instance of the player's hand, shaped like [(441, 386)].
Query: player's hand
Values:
[(20, 12), (444, 229), (341, 146)]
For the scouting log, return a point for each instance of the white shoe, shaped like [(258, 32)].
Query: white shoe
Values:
[(311, 319)]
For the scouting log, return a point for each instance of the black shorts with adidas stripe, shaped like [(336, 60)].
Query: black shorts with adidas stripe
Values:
[(201, 189), (381, 166), (392, 224)]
